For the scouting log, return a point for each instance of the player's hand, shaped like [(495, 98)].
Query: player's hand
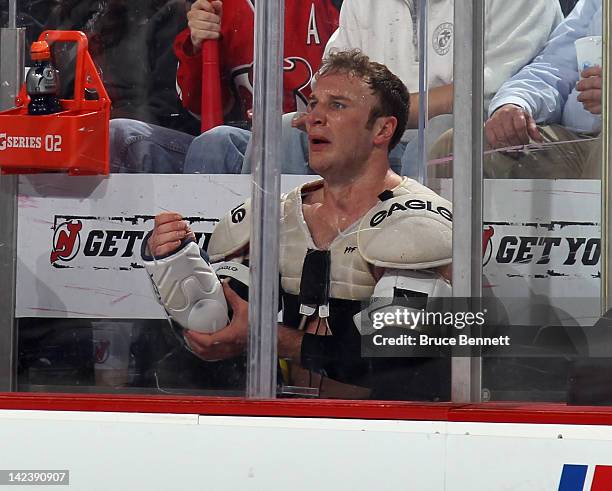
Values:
[(511, 125), (204, 21), (169, 231), (229, 341), (590, 89)]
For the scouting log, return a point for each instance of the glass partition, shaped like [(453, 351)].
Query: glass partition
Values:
[(87, 315), (542, 137), (541, 203), (349, 262), (273, 180), (82, 325)]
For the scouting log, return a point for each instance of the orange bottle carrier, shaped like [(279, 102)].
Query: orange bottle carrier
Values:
[(73, 140)]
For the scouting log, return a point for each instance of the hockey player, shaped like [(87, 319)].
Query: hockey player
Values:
[(341, 238)]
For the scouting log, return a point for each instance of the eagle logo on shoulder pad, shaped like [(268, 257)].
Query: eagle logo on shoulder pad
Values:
[(411, 204)]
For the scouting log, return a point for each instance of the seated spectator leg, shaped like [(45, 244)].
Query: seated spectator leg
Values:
[(571, 160), (435, 128), (137, 147), (565, 157), (220, 150), (294, 150), (592, 169), (439, 160)]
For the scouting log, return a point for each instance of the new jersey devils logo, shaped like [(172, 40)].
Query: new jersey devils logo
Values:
[(487, 245), (101, 350), (297, 74), (66, 241)]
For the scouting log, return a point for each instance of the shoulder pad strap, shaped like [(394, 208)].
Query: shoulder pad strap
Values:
[(413, 231), (232, 233)]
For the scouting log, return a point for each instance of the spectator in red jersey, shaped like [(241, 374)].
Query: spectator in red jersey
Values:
[(141, 147)]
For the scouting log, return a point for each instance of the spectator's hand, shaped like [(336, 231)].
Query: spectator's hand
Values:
[(169, 231), (204, 21), (511, 125), (229, 341), (590, 89)]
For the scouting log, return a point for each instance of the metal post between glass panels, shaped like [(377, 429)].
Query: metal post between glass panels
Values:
[(606, 190), (468, 74), (423, 89), (12, 55), (264, 249), (11, 77), (8, 262), (12, 18)]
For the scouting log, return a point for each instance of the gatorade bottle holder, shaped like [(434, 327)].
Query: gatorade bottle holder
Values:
[(74, 140)]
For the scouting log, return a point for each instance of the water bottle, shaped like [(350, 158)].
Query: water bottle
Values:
[(42, 82)]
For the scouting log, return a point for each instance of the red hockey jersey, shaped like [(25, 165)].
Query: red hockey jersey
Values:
[(308, 26)]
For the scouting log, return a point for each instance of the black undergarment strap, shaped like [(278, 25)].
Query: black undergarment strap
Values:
[(314, 284), (385, 195)]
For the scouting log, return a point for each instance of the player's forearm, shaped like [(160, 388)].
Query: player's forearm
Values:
[(440, 102)]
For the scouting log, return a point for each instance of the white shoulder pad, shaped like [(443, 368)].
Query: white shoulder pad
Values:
[(189, 289), (231, 234), (412, 231), (401, 291)]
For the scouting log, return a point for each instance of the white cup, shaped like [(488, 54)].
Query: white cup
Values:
[(588, 52), (111, 345)]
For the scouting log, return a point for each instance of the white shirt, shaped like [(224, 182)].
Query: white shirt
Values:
[(515, 32)]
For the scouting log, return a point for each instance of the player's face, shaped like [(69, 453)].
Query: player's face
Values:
[(337, 123)]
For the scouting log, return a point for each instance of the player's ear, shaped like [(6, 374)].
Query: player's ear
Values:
[(384, 128)]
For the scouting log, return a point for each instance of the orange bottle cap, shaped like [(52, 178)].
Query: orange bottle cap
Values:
[(40, 50)]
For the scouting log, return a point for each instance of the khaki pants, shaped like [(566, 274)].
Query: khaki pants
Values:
[(564, 159)]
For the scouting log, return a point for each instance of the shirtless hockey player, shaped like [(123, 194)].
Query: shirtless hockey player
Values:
[(397, 232)]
